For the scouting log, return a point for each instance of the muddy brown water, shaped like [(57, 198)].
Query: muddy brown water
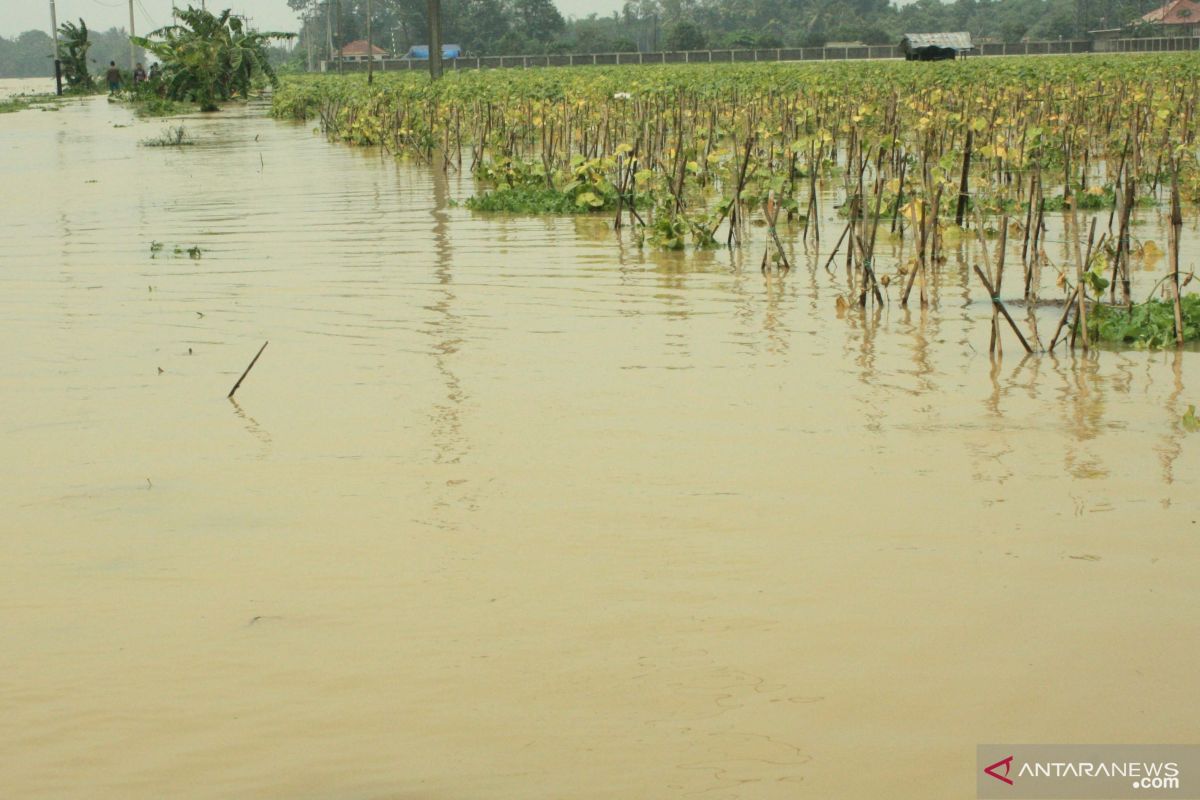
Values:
[(10, 87), (511, 509)]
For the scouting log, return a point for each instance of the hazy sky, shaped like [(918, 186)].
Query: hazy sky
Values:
[(17, 16)]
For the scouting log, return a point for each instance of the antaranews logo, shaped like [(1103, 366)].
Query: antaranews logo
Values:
[(1087, 771), (1004, 762)]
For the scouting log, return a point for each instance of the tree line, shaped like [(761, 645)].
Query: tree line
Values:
[(28, 54), (514, 27)]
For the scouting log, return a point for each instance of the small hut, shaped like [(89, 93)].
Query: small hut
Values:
[(935, 46)]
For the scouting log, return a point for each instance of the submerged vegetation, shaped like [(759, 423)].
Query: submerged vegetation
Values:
[(176, 136), (689, 155), (24, 101), (516, 188), (1150, 324)]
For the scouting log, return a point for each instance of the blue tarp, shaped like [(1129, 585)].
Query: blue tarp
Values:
[(420, 52)]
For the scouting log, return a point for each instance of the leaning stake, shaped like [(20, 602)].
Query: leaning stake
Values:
[(996, 302), (247, 372)]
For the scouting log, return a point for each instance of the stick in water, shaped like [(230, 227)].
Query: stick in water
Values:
[(247, 372), (997, 304)]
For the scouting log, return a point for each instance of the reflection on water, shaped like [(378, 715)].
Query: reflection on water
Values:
[(523, 510)]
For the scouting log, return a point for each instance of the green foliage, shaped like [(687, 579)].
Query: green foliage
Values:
[(1150, 324), (73, 54), (523, 27), (702, 145), (1092, 199), (151, 104), (526, 200), (208, 58), (685, 35), (522, 188), (27, 55), (669, 231), (24, 101)]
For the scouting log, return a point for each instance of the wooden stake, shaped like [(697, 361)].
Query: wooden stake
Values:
[(1176, 230), (247, 372), (996, 302)]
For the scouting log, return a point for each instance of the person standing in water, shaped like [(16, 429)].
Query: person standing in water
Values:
[(113, 76)]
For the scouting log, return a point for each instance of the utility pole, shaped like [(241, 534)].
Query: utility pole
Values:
[(370, 49), (337, 12), (328, 34), (308, 40), (132, 46), (57, 63), (435, 39)]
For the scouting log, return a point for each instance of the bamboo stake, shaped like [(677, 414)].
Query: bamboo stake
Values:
[(247, 372), (1176, 230), (999, 304), (1081, 317), (963, 181), (1063, 319)]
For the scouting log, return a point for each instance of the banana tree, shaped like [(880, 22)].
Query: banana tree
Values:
[(72, 52), (210, 57)]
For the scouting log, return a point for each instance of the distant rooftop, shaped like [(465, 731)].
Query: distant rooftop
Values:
[(1175, 12), (359, 48), (960, 41)]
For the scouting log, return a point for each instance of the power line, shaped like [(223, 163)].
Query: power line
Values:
[(153, 22)]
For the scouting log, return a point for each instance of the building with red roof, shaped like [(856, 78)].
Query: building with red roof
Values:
[(1178, 17), (358, 50)]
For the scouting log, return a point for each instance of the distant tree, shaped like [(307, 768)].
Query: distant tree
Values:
[(26, 56), (538, 20), (738, 39), (684, 35), (478, 25), (1059, 21), (873, 34), (514, 44)]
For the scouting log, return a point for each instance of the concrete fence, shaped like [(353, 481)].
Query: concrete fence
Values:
[(773, 54), (1149, 45)]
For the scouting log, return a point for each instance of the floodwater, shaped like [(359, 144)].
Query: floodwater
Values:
[(511, 509), (10, 87)]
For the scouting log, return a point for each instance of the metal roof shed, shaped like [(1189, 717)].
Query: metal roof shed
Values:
[(935, 46)]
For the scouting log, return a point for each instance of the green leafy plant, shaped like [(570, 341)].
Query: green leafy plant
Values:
[(209, 58), (72, 53), (1150, 324)]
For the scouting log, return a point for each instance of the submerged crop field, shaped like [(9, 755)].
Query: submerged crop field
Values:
[(753, 432), (1027, 151)]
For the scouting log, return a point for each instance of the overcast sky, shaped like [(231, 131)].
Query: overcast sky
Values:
[(17, 16)]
